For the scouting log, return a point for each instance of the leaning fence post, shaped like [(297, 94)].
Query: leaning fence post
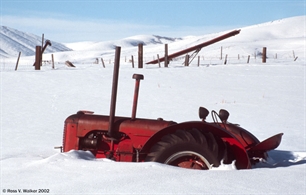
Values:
[(248, 58), (102, 61), (17, 61), (293, 53), (225, 61)]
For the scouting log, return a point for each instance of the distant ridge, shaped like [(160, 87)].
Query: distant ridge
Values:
[(14, 41), (281, 36), (132, 41)]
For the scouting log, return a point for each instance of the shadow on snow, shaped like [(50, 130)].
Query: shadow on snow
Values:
[(279, 158)]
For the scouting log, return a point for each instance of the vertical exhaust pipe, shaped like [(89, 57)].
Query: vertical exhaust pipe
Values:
[(137, 77), (111, 132)]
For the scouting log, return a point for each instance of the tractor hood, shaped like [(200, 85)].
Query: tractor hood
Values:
[(86, 121)]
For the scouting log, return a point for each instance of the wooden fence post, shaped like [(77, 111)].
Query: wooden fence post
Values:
[(102, 61), (42, 46), (52, 58), (166, 55), (294, 57), (37, 57), (187, 60), (248, 59), (140, 55), (293, 54), (158, 60), (17, 61), (221, 53), (198, 61), (264, 55), (132, 61), (225, 61)]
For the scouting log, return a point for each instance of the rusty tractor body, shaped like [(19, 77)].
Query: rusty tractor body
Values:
[(192, 144)]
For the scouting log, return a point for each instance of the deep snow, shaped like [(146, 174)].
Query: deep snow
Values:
[(266, 99)]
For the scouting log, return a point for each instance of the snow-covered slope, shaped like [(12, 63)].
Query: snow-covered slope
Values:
[(14, 41), (290, 31)]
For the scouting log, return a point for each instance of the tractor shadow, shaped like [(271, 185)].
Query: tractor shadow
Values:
[(279, 158)]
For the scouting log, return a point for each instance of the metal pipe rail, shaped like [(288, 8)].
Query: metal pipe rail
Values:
[(197, 47)]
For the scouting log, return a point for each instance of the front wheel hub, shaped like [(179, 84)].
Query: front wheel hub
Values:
[(189, 160)]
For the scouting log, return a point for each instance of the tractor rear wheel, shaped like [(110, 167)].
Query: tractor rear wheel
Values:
[(188, 149)]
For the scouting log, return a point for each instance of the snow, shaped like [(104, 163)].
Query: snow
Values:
[(265, 99), (126, 42)]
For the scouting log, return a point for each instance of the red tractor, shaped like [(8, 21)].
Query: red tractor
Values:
[(192, 144)]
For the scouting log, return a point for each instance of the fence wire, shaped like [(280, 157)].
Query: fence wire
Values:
[(9, 64)]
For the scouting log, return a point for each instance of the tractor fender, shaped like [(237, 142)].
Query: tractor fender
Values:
[(242, 159)]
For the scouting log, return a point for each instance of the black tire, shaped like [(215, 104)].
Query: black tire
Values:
[(188, 149)]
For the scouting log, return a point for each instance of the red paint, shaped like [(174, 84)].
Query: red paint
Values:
[(138, 135)]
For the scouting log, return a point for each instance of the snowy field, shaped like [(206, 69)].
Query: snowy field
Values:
[(265, 99)]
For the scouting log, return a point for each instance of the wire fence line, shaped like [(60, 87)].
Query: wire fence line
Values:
[(132, 61)]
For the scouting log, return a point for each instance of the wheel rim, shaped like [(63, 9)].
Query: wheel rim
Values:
[(189, 160)]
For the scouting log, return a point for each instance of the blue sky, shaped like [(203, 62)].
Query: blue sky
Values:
[(101, 20)]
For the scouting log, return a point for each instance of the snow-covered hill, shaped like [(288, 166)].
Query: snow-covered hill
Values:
[(14, 41), (126, 42), (289, 31)]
